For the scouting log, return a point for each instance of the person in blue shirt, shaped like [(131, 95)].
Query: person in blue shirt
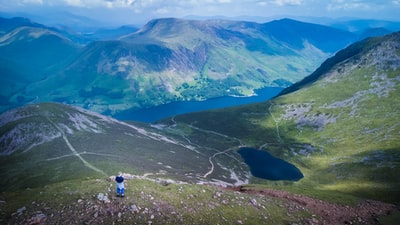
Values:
[(120, 185)]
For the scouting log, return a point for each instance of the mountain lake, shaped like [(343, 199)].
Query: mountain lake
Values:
[(155, 113), (264, 165)]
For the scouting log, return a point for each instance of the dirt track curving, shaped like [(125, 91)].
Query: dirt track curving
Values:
[(365, 212)]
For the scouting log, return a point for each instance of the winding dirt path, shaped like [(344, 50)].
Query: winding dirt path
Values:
[(210, 159), (211, 162)]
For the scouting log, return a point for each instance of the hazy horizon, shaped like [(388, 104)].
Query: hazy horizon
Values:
[(138, 12)]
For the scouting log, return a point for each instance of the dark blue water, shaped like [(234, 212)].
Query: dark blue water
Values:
[(264, 165), (175, 108)]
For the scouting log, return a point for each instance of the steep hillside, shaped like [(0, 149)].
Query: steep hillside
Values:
[(353, 51), (36, 47), (172, 60), (340, 126), (53, 140), (57, 164), (29, 54), (295, 33)]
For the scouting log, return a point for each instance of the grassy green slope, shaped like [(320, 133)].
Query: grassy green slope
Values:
[(167, 60), (342, 130), (30, 54), (44, 181), (231, 49), (46, 143), (172, 60), (55, 160), (76, 202), (37, 48)]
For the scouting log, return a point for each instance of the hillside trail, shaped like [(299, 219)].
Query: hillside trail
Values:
[(73, 150), (212, 157), (276, 123), (218, 152), (327, 213)]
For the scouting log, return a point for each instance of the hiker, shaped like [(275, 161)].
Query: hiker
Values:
[(120, 185)]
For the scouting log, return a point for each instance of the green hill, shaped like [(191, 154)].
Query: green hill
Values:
[(166, 60), (57, 164), (54, 140), (340, 126), (56, 160), (29, 54)]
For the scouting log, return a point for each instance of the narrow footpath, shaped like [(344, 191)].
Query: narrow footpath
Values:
[(73, 150)]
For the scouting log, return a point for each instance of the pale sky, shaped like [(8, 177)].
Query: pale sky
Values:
[(137, 11)]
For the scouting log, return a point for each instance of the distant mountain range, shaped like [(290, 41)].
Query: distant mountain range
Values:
[(360, 26), (113, 70)]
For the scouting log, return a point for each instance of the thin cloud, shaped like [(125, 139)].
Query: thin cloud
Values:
[(356, 5), (100, 3), (40, 2), (76, 3), (73, 3), (148, 9), (287, 2)]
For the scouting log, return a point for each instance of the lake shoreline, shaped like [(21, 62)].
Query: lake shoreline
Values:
[(153, 114)]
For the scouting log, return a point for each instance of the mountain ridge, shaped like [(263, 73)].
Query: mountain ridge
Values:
[(182, 60), (354, 50), (316, 34), (28, 55)]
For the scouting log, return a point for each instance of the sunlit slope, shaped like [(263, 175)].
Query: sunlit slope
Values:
[(342, 128), (174, 59), (47, 143)]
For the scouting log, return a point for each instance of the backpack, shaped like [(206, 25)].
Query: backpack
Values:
[(119, 179)]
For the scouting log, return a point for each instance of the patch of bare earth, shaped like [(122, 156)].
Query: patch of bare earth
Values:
[(365, 212)]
